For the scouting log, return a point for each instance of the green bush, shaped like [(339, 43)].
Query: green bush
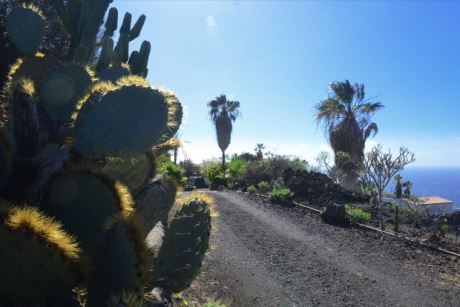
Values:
[(281, 195), (264, 186), (235, 169), (251, 189), (219, 181), (170, 170), (358, 215), (216, 177), (212, 170), (271, 168)]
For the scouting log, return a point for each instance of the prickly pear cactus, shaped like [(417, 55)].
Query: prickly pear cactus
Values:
[(39, 259), (63, 89), (121, 264), (78, 139), (185, 244), (73, 195), (108, 128), (26, 28), (134, 172)]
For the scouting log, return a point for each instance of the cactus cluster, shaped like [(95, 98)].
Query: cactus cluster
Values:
[(79, 195)]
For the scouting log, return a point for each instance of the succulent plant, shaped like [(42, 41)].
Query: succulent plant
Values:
[(78, 137), (133, 172), (26, 28), (39, 258), (63, 89), (108, 129), (185, 245), (121, 264), (73, 195)]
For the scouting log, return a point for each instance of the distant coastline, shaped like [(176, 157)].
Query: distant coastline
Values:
[(433, 181)]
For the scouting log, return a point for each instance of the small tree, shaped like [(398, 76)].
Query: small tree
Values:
[(324, 161), (380, 167)]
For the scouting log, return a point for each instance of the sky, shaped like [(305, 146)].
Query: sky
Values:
[(278, 58)]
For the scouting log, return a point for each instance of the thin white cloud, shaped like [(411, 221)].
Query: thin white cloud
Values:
[(211, 21)]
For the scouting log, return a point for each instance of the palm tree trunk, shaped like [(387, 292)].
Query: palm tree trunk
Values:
[(223, 160)]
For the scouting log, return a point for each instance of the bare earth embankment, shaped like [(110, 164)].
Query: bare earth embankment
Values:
[(266, 255)]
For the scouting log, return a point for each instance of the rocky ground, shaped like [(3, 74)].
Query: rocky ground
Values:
[(267, 255)]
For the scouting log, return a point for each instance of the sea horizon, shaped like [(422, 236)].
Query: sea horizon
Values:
[(442, 181)]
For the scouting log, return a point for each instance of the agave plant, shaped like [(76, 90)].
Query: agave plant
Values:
[(223, 112), (346, 118)]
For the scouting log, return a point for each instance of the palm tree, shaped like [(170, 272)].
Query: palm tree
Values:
[(345, 116), (259, 151), (222, 113)]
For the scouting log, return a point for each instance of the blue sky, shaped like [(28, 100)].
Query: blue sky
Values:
[(278, 57)]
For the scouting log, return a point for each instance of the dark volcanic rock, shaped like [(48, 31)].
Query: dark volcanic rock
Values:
[(319, 188), (335, 214)]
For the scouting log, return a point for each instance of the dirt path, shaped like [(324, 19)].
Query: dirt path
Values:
[(265, 255)]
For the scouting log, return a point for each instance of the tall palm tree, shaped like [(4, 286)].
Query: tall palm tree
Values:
[(345, 116), (222, 113), (259, 151)]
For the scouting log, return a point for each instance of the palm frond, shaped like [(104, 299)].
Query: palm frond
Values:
[(371, 129)]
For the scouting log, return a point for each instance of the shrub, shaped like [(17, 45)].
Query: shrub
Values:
[(219, 181), (358, 215), (271, 168), (264, 186), (251, 189), (235, 168), (211, 170), (281, 195), (170, 170)]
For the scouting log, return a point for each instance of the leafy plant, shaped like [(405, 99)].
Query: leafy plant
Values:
[(170, 170), (216, 177), (251, 189), (235, 168), (281, 195), (264, 186), (271, 168), (358, 215)]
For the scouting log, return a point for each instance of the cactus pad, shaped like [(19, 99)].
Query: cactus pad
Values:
[(121, 263), (113, 73), (39, 258), (63, 89), (83, 201), (132, 172), (5, 158), (26, 28), (35, 69), (184, 246), (175, 113), (126, 121)]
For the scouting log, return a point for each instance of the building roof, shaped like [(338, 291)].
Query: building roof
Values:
[(434, 200)]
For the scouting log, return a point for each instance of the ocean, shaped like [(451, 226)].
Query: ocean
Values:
[(431, 181)]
